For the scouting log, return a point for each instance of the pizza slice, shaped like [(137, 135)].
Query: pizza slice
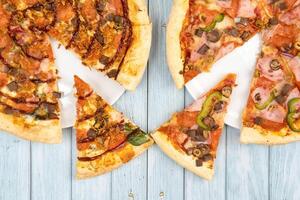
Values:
[(29, 106), (191, 136), (105, 138), (112, 36), (272, 114), (201, 32)]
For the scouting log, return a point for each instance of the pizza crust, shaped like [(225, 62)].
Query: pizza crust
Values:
[(110, 160), (174, 27), (182, 159), (45, 131), (135, 60), (137, 11), (252, 135)]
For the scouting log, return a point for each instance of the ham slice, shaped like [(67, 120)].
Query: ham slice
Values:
[(292, 17), (224, 50), (224, 3), (264, 67), (294, 64), (246, 9), (260, 95), (274, 112)]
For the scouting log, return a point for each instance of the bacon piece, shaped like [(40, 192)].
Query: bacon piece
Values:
[(293, 94)]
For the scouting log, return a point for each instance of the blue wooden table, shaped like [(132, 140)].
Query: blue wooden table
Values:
[(38, 171)]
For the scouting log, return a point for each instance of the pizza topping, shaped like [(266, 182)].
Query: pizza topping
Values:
[(293, 94), (136, 136), (199, 32), (226, 91), (293, 117), (13, 86), (274, 112), (203, 120), (270, 68), (281, 98), (212, 25), (294, 64), (213, 36), (275, 65), (203, 49), (262, 98), (246, 9)]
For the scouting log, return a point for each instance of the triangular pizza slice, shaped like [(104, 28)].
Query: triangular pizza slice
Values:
[(191, 136), (105, 138)]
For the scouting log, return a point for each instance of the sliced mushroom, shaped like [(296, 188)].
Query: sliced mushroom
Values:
[(92, 133)]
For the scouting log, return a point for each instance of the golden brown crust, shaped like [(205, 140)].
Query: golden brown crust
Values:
[(47, 131), (135, 61), (110, 160), (137, 11), (182, 159), (253, 135), (174, 57)]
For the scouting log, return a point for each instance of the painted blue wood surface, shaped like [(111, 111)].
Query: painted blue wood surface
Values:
[(32, 171)]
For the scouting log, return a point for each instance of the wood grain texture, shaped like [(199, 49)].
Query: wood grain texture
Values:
[(130, 181), (247, 169), (285, 172), (165, 177), (51, 164), (15, 168)]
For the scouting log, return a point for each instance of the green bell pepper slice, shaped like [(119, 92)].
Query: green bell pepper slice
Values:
[(211, 26), (266, 103), (207, 107), (292, 104), (292, 121), (293, 116)]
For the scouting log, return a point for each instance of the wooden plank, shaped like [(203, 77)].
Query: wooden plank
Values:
[(198, 188), (14, 168), (165, 177), (51, 169), (93, 188), (247, 169), (130, 181), (285, 172)]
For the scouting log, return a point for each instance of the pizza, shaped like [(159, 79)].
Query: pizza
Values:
[(191, 136), (201, 32), (112, 36), (29, 106), (272, 114), (105, 138)]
